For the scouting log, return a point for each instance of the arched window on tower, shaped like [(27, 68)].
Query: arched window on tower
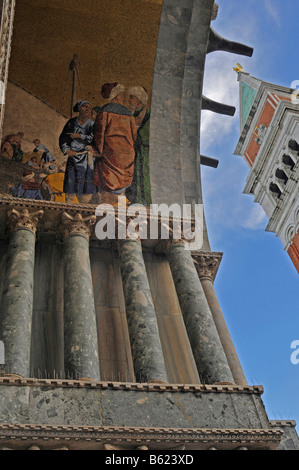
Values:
[(293, 145), (287, 160), (275, 189), (280, 174)]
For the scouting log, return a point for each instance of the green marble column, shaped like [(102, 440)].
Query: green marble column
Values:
[(141, 316), (81, 351), (203, 336), (17, 295)]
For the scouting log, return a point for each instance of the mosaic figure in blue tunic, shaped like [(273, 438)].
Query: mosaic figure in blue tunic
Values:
[(76, 137)]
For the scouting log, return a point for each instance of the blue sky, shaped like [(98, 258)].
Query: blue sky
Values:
[(257, 285)]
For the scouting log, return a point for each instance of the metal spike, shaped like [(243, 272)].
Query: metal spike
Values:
[(216, 107), (208, 161), (218, 43)]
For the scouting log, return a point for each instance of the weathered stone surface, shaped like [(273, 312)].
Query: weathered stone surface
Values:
[(17, 300), (14, 404), (46, 405), (290, 439), (131, 408), (176, 97), (203, 336), (142, 323), (80, 329)]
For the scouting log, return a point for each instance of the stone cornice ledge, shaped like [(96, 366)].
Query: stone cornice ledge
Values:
[(50, 437), (54, 211), (60, 206), (133, 386), (282, 422)]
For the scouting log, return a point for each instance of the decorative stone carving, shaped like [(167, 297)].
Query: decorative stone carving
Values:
[(289, 234), (260, 133), (207, 264), (77, 225), (230, 439), (18, 219), (16, 380), (123, 230)]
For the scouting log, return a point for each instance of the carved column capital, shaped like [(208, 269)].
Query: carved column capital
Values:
[(71, 225), (123, 230), (23, 219), (207, 264)]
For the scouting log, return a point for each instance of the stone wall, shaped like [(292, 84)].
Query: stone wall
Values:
[(108, 404)]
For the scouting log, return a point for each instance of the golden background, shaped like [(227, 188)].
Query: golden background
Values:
[(115, 41)]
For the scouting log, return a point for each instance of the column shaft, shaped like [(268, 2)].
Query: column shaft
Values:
[(142, 323), (204, 340), (80, 325), (17, 302), (227, 343)]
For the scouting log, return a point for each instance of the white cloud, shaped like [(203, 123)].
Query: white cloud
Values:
[(220, 85), (273, 11), (255, 220), (225, 203), (220, 80)]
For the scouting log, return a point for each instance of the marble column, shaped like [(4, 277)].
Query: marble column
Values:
[(17, 295), (207, 265), (204, 340), (81, 351), (141, 316)]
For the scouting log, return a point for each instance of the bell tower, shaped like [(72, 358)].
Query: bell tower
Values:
[(269, 144)]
